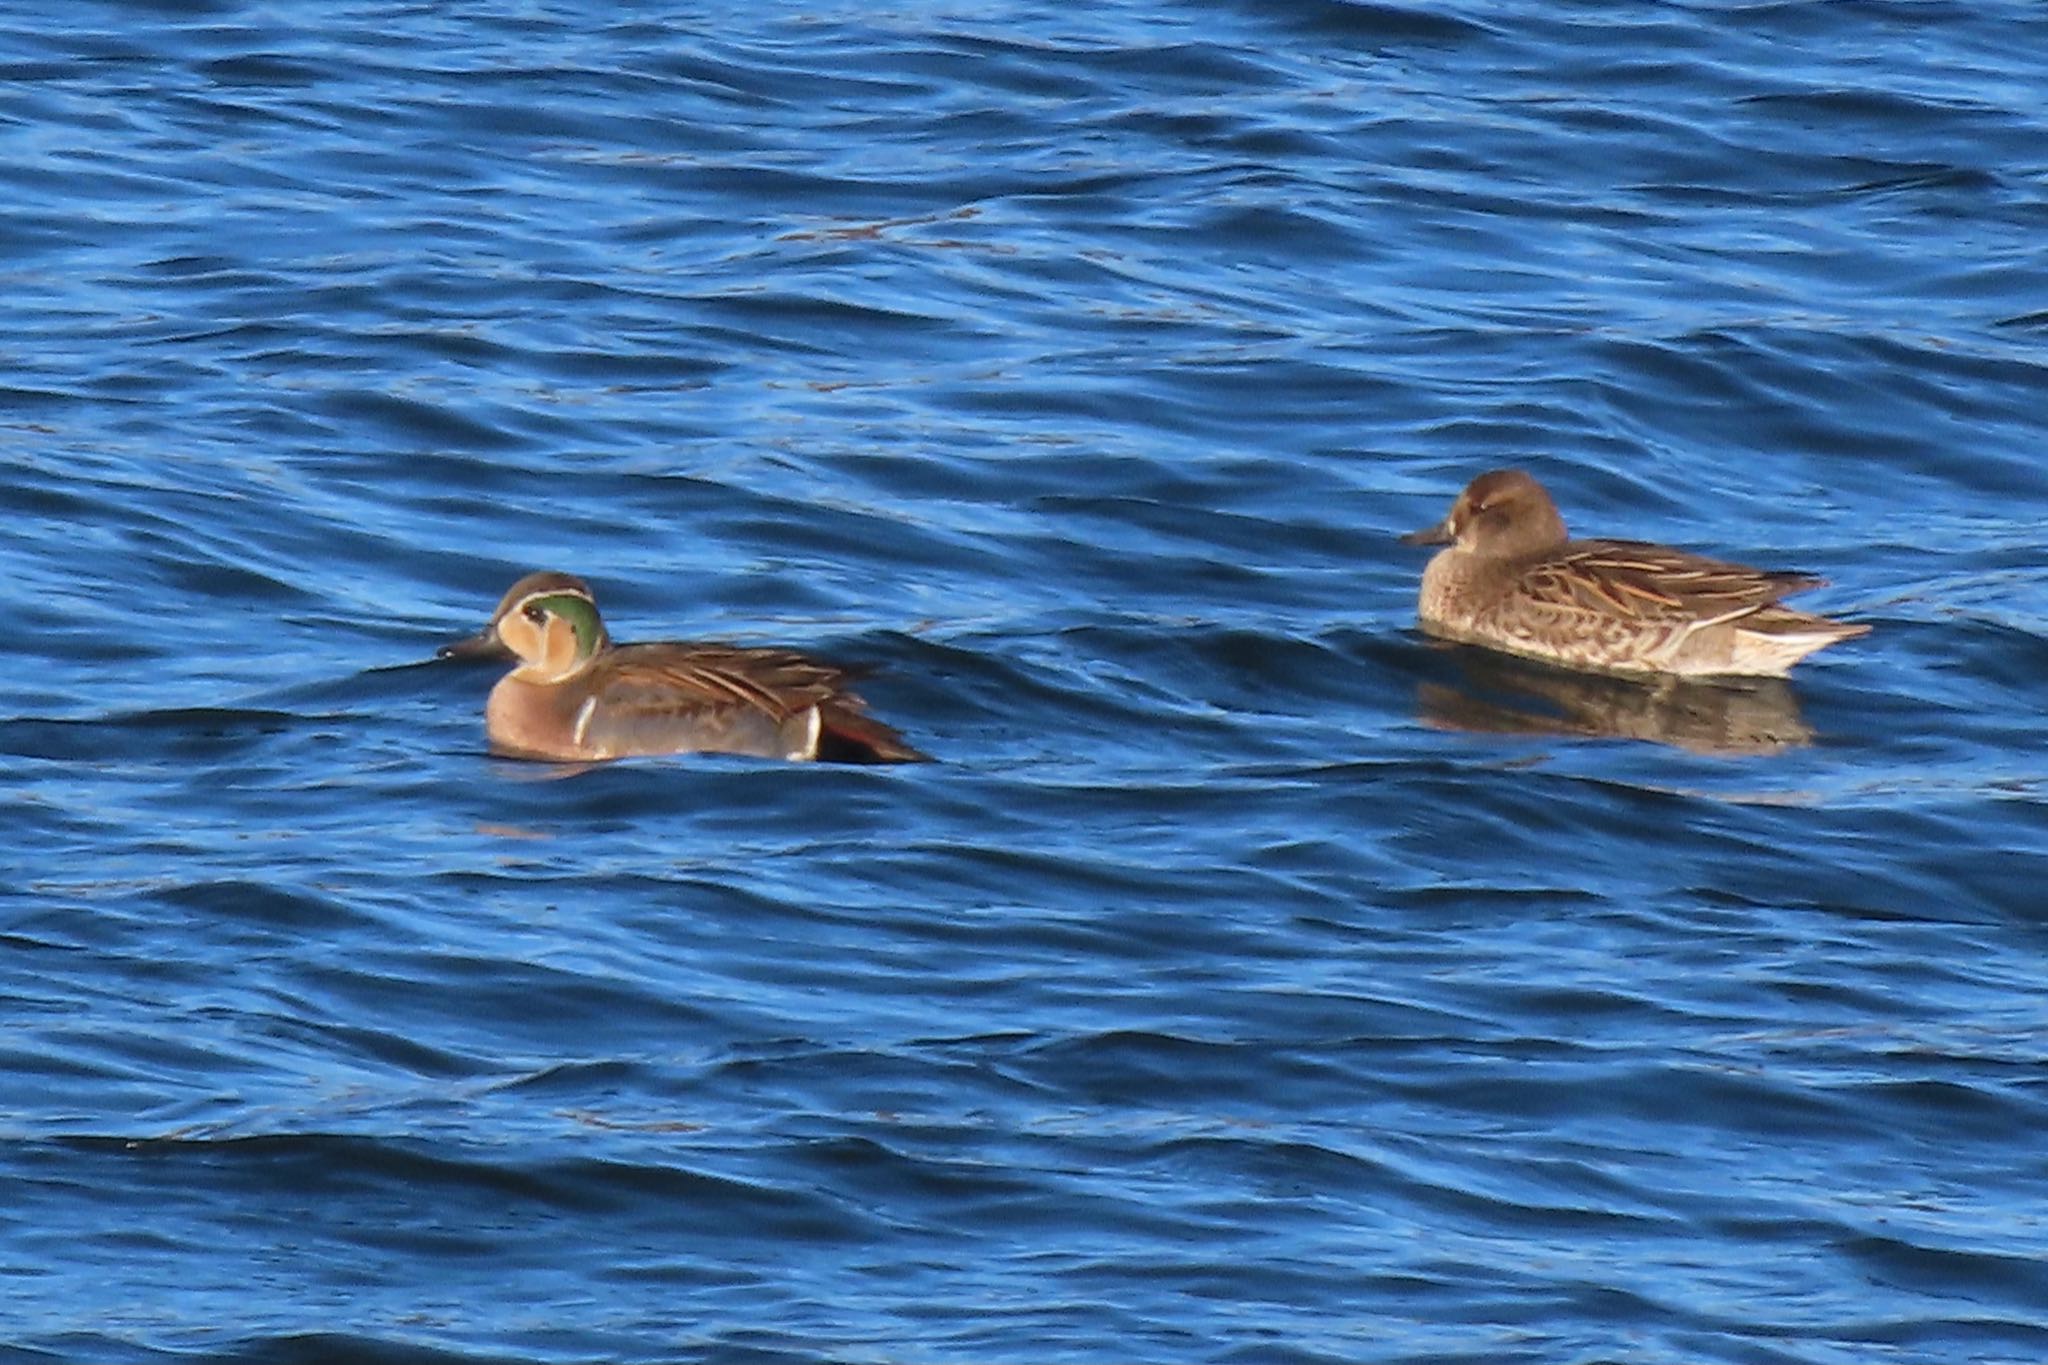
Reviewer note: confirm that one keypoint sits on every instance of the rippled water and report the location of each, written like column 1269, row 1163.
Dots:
column 1253, row 980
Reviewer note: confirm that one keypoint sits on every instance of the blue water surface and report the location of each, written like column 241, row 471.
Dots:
column 1252, row 980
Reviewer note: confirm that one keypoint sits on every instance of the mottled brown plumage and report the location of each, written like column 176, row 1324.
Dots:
column 575, row 696
column 1513, row 579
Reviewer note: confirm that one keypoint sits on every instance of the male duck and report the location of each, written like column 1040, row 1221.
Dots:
column 1513, row 580
column 575, row 696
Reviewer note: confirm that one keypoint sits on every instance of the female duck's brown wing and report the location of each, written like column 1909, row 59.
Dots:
column 665, row 698
column 1655, row 585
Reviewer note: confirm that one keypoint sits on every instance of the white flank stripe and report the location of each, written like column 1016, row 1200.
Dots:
column 814, row 725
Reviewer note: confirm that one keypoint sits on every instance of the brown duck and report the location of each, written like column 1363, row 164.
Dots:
column 1512, row 579
column 574, row 696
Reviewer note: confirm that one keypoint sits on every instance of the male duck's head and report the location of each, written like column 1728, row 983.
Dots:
column 548, row 621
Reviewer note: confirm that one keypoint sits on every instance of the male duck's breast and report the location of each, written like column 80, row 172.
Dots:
column 532, row 721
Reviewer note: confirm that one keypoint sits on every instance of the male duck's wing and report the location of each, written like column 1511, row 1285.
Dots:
column 688, row 677
column 738, row 699
column 660, row 698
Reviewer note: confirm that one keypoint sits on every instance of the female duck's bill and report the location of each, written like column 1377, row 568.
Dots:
column 574, row 696
column 1512, row 579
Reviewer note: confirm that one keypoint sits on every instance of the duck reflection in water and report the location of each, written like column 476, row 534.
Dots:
column 1499, row 694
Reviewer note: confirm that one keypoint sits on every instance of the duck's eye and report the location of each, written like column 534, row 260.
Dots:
column 534, row 612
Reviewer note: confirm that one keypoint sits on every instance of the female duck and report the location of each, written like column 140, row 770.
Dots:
column 1513, row 580
column 575, row 696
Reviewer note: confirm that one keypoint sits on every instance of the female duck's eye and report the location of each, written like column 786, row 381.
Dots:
column 534, row 612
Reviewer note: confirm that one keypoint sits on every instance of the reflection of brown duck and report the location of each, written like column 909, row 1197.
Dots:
column 1506, row 696
column 576, row 696
column 1513, row 580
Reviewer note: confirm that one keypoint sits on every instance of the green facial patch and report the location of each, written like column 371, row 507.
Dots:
column 581, row 614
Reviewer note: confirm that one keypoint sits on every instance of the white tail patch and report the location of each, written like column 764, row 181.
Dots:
column 1772, row 654
column 813, row 727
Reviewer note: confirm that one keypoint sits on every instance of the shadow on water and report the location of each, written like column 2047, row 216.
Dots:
column 1496, row 694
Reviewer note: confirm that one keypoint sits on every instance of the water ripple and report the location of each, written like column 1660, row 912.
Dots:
column 1252, row 979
